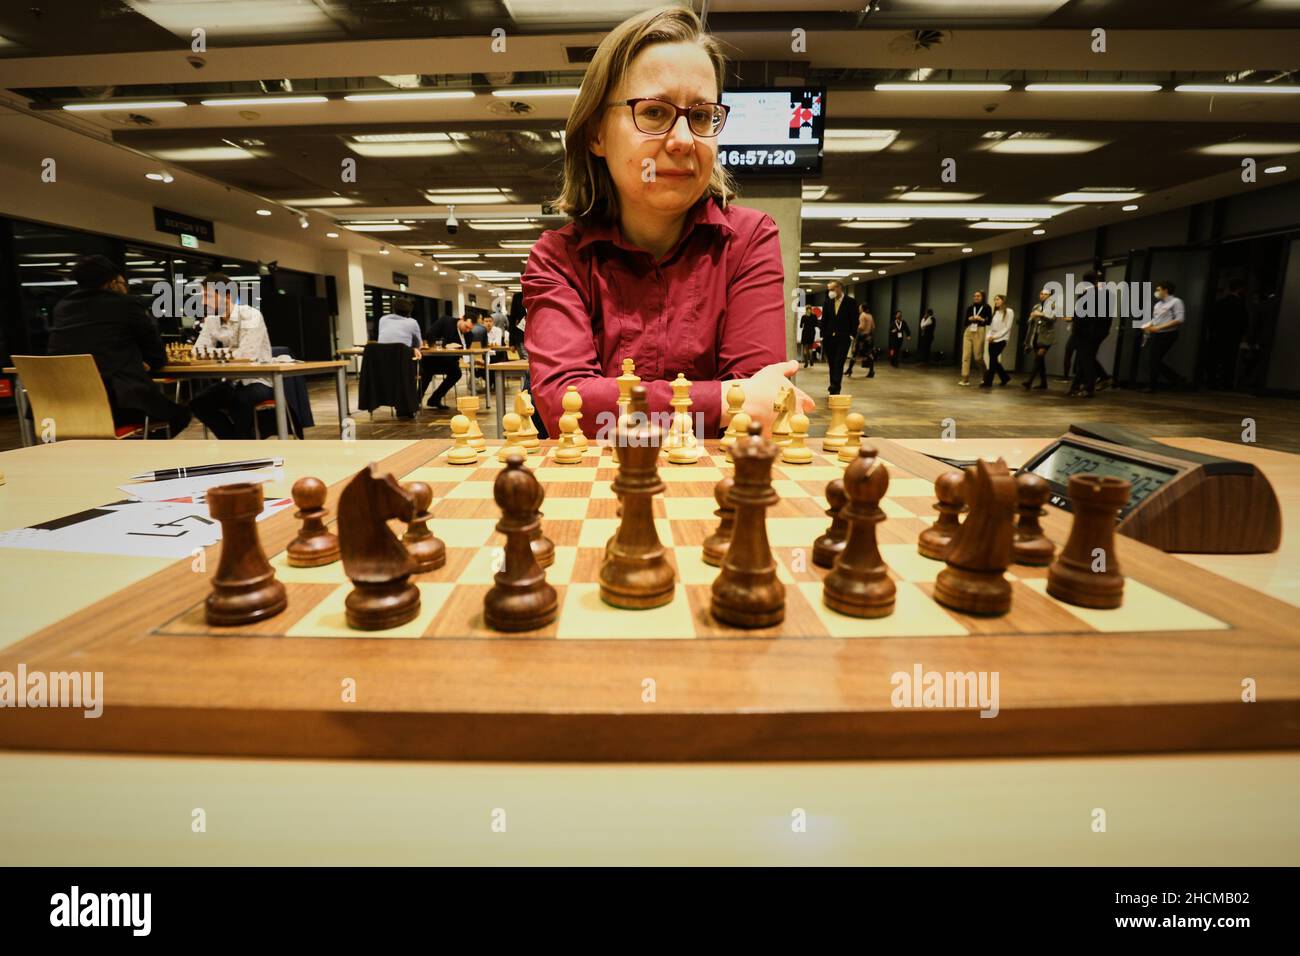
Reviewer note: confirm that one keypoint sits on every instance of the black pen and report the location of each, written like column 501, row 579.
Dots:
column 195, row 471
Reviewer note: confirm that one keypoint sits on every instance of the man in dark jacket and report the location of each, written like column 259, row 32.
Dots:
column 839, row 326
column 453, row 333
column 99, row 318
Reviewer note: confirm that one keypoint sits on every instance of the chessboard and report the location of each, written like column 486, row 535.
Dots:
column 1164, row 671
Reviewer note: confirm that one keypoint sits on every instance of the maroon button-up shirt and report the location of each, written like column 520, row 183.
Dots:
column 713, row 309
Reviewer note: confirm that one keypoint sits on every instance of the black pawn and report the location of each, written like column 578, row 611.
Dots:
column 949, row 488
column 520, row 598
column 830, row 545
column 859, row 585
column 716, row 544
column 1030, row 545
column 427, row 551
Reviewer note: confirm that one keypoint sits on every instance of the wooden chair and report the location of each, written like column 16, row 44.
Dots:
column 67, row 389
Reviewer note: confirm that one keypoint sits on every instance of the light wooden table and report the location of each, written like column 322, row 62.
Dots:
column 502, row 371
column 277, row 372
column 70, row 809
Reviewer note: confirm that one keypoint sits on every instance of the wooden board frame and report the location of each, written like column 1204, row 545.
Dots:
column 776, row 699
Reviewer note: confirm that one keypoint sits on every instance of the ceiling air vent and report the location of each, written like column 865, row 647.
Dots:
column 509, row 108
column 915, row 41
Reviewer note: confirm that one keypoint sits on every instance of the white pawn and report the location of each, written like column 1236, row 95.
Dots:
column 572, row 402
column 682, row 446
column 735, row 406
column 568, row 451
column 854, row 425
column 462, row 452
column 797, row 452
column 740, row 422
column 467, row 405
column 510, row 424
column 527, row 430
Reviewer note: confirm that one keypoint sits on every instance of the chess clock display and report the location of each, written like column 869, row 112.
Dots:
column 1180, row 500
column 773, row 131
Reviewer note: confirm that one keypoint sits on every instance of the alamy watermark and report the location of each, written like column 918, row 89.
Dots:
column 75, row 909
column 607, row 427
column 945, row 689
column 1116, row 300
column 79, row 689
column 182, row 298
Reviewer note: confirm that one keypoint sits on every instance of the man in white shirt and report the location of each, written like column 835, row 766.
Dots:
column 227, row 408
column 998, row 335
column 1160, row 334
column 496, row 333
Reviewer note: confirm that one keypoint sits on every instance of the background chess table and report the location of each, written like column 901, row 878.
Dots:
column 1163, row 672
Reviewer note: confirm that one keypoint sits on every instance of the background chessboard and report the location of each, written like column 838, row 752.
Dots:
column 580, row 516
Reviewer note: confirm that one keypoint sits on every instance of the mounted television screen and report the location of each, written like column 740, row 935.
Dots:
column 773, row 131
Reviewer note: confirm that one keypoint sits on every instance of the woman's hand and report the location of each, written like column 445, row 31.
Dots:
column 761, row 392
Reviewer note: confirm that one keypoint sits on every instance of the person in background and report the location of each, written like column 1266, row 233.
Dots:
column 478, row 330
column 975, row 323
column 898, row 334
column 397, row 327
column 496, row 335
column 515, row 324
column 1228, row 325
column 1090, row 330
column 864, row 345
column 925, row 337
column 998, row 335
column 1039, row 336
column 453, row 333
column 839, row 326
column 101, row 319
column 227, row 408
column 1160, row 334
column 807, row 337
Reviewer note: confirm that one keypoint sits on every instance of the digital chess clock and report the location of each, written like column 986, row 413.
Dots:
column 1179, row 500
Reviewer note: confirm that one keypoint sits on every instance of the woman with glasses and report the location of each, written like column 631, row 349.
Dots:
column 658, row 265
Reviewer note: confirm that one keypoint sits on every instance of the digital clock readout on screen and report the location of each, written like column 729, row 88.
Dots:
column 1066, row 460
column 777, row 130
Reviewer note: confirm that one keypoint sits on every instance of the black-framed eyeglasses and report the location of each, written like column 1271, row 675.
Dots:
column 656, row 117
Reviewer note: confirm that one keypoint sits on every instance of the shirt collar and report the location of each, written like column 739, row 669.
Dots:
column 706, row 212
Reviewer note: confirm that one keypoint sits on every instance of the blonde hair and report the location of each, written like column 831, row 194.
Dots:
column 588, row 193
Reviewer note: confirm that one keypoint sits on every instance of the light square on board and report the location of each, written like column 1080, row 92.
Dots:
column 915, row 615
column 584, row 616
column 788, row 488
column 440, row 474
column 482, row 567
column 794, row 532
column 596, row 532
column 324, row 574
column 478, row 490
column 464, row 532
column 329, row 617
column 818, row 473
column 564, row 509
column 1144, row 609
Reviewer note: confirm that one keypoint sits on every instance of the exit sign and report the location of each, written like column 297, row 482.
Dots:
column 188, row 241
